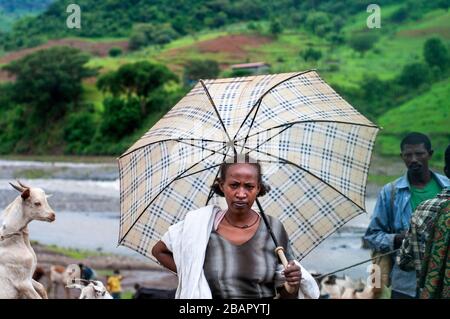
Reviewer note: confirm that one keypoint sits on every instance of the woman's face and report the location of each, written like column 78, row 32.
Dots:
column 240, row 187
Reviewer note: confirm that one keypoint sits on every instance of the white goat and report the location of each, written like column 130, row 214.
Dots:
column 91, row 289
column 60, row 276
column 346, row 288
column 17, row 258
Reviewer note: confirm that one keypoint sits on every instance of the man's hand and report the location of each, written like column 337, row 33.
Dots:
column 398, row 239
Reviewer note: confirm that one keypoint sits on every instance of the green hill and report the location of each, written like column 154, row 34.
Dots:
column 13, row 10
column 428, row 112
column 116, row 18
column 310, row 35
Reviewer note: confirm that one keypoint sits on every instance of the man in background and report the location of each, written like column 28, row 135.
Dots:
column 395, row 204
column 428, row 240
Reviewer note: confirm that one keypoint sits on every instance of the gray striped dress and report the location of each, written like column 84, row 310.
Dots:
column 246, row 270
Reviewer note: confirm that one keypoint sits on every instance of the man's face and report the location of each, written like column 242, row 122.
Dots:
column 416, row 158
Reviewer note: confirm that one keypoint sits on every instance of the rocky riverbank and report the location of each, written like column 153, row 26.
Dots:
column 82, row 187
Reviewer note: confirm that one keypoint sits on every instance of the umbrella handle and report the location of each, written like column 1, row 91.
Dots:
column 279, row 251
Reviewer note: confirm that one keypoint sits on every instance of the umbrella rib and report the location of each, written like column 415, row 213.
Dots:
column 309, row 121
column 251, row 125
column 211, row 191
column 143, row 211
column 169, row 140
column 202, row 170
column 257, row 146
column 282, row 160
column 258, row 102
column 217, row 113
column 201, row 147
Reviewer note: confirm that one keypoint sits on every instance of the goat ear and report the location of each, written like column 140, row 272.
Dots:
column 49, row 195
column 26, row 193
column 17, row 188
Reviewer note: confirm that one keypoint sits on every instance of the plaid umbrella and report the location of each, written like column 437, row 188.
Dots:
column 315, row 150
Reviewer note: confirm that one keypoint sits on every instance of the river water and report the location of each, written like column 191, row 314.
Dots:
column 88, row 215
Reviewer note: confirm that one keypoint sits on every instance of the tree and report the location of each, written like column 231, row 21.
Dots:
column 120, row 117
column 435, row 53
column 400, row 14
column 48, row 81
column 275, row 28
column 200, row 69
column 362, row 42
column 138, row 80
column 413, row 75
column 216, row 20
column 113, row 52
column 311, row 54
column 376, row 95
column 148, row 34
column 316, row 19
column 79, row 128
column 335, row 39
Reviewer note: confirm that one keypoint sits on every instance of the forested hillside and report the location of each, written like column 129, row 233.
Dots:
column 12, row 10
column 74, row 101
column 116, row 18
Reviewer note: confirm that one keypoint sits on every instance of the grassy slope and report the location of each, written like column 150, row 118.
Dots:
column 392, row 51
column 428, row 113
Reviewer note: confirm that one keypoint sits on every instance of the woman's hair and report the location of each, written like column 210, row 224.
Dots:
column 237, row 159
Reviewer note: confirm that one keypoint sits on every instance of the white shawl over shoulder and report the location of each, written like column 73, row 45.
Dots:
column 188, row 240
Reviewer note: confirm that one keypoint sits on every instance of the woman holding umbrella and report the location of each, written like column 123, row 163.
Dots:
column 235, row 258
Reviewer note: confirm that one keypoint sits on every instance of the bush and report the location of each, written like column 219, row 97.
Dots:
column 362, row 42
column 436, row 54
column 119, row 118
column 311, row 54
column 376, row 95
column 239, row 73
column 400, row 15
column 148, row 34
column 413, row 75
column 335, row 38
column 12, row 128
column 79, row 128
column 200, row 69
column 316, row 19
column 113, row 52
column 275, row 28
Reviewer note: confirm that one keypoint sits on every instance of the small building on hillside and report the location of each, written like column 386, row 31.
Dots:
column 254, row 68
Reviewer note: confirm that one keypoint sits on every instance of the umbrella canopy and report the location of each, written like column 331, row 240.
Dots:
column 314, row 147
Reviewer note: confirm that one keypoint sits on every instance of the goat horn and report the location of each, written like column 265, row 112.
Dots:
column 22, row 184
column 17, row 187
